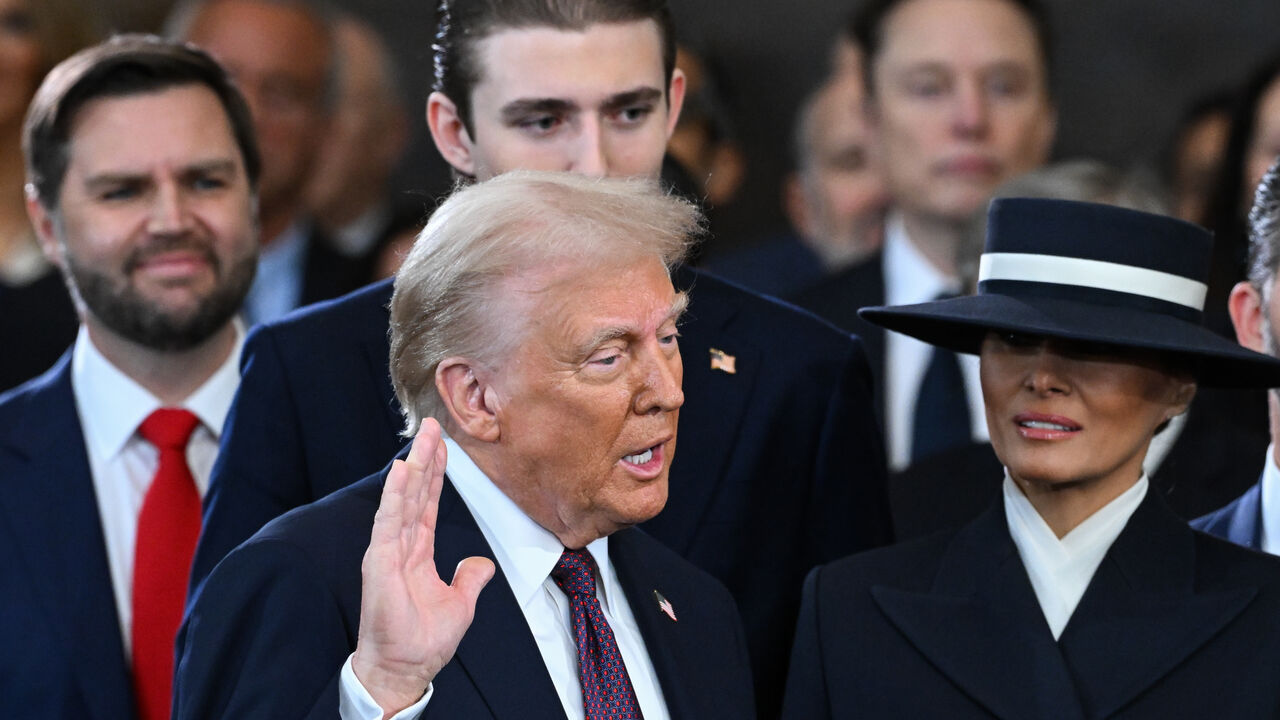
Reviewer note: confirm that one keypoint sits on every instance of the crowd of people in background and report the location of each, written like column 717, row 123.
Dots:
column 217, row 309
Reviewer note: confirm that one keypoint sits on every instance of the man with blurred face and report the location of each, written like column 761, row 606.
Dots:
column 281, row 54
column 141, row 171
column 777, row 437
column 349, row 193
column 557, row 379
column 834, row 198
column 958, row 102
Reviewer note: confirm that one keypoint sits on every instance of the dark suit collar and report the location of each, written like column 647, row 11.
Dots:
column 49, row 501
column 1244, row 523
column 377, row 354
column 498, row 646
column 715, row 401
column 981, row 626
column 1140, row 617
column 673, row 648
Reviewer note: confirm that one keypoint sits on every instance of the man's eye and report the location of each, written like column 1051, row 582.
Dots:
column 635, row 114
column 542, row 124
column 208, row 182
column 124, row 192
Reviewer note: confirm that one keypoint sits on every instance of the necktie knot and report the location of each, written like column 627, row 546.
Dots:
column 169, row 428
column 575, row 573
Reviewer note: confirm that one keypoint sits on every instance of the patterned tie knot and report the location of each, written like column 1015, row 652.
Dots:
column 575, row 573
column 169, row 428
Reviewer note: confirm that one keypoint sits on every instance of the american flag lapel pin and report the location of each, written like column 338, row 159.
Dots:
column 723, row 361
column 664, row 605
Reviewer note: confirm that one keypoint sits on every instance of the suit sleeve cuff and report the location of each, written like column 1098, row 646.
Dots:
column 355, row 702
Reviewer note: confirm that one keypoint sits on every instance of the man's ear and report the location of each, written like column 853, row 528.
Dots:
column 472, row 403
column 675, row 99
column 1245, row 307
column 43, row 224
column 450, row 134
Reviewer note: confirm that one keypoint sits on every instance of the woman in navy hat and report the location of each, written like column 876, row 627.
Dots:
column 1078, row 594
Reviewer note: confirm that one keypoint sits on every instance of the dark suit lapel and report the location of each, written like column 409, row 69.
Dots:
column 377, row 351
column 673, row 650
column 873, row 335
column 981, row 626
column 1141, row 616
column 49, row 501
column 498, row 653
column 1245, row 525
column 715, row 402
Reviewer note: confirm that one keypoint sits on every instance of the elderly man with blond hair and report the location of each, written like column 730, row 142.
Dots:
column 534, row 322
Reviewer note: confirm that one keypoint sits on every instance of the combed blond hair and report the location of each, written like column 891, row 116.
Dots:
column 448, row 293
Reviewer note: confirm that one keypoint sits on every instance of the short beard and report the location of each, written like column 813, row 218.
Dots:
column 125, row 312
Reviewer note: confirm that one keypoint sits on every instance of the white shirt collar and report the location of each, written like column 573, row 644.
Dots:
column 909, row 277
column 112, row 405
column 1270, row 504
column 526, row 551
column 1060, row 569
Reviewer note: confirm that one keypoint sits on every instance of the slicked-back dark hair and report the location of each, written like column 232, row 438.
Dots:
column 1264, row 233
column 122, row 66
column 866, row 29
column 461, row 24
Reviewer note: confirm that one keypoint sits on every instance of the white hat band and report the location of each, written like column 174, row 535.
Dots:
column 1098, row 274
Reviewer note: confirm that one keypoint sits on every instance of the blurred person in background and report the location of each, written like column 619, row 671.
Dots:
column 282, row 55
column 1252, row 146
column 834, row 198
column 959, row 100
column 1191, row 161
column 350, row 195
column 37, row 319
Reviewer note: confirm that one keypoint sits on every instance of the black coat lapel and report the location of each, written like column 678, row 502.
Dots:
column 1141, row 616
column 377, row 350
column 715, row 402
column 667, row 642
column 981, row 626
column 498, row 653
column 49, row 501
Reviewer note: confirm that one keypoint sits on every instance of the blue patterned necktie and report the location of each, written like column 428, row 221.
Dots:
column 606, row 689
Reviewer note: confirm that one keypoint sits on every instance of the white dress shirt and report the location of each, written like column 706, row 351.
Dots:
column 1060, row 568
column 111, row 405
column 910, row 278
column 1270, row 504
column 527, row 553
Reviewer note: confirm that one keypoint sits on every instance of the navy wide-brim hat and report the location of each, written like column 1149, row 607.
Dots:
column 1093, row 273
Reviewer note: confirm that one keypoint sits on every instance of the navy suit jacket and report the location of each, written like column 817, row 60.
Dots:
column 61, row 652
column 272, row 626
column 837, row 299
column 780, row 465
column 1239, row 521
column 1174, row 623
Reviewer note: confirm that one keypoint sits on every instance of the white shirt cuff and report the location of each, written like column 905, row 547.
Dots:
column 355, row 702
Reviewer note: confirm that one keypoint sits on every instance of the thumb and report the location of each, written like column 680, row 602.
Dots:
column 472, row 575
